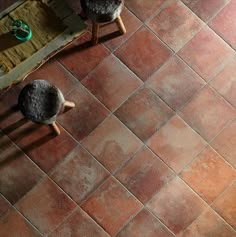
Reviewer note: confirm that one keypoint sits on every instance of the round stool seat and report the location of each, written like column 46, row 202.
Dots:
column 40, row 102
column 102, row 10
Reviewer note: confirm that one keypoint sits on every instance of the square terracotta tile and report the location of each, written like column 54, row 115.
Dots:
column 175, row 24
column 176, row 205
column 144, row 175
column 206, row 9
column 55, row 73
column 204, row 113
column 207, row 225
column 4, row 206
column 131, row 22
column 144, row 113
column 18, row 173
column 225, row 143
column 46, row 206
column 87, row 114
column 225, row 83
column 111, row 206
column 209, row 175
column 223, row 25
column 112, row 143
column 15, row 225
column 77, row 225
column 41, row 145
column 79, row 175
column 176, row 143
column 145, row 224
column 80, row 57
column 207, row 53
column 111, row 82
column 142, row 58
column 175, row 82
column 144, row 9
column 225, row 205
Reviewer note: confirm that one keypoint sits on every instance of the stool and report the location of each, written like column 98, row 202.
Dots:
column 103, row 12
column 41, row 102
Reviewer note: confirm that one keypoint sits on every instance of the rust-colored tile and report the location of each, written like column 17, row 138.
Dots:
column 111, row 206
column 4, row 206
column 177, row 205
column 45, row 206
column 79, row 175
column 204, row 113
column 87, row 114
column 111, row 82
column 207, row 53
column 223, row 25
column 18, row 173
column 209, row 224
column 176, row 143
column 175, row 83
column 225, row 143
column 142, row 58
column 80, row 57
column 144, row 175
column 41, row 145
column 175, row 24
column 53, row 72
column 225, row 205
column 131, row 22
column 77, row 225
column 143, row 9
column 15, row 225
column 144, row 113
column 209, row 175
column 112, row 143
column 206, row 9
column 145, row 224
column 225, row 83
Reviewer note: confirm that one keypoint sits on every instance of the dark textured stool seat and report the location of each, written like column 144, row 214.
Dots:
column 41, row 102
column 103, row 11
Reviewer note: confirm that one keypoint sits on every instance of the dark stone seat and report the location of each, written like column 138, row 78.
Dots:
column 41, row 102
column 103, row 11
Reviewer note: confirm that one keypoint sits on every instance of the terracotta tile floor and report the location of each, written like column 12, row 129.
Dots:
column 150, row 148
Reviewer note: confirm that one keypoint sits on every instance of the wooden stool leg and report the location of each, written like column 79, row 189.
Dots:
column 55, row 128
column 120, row 25
column 95, row 33
column 69, row 104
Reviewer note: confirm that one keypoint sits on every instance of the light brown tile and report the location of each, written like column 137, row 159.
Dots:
column 112, row 143
column 176, row 143
column 77, row 225
column 46, row 206
column 144, row 113
column 145, row 224
column 176, row 205
column 112, row 82
column 209, row 224
column 142, row 58
column 209, row 175
column 225, row 205
column 175, row 83
column 204, row 113
column 79, row 175
column 175, row 24
column 225, row 143
column 207, row 53
column 111, row 206
column 15, row 225
column 206, row 9
column 144, row 175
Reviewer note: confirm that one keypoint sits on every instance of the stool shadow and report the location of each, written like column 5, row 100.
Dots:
column 7, row 41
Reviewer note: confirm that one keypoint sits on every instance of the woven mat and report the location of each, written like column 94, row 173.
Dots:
column 45, row 26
